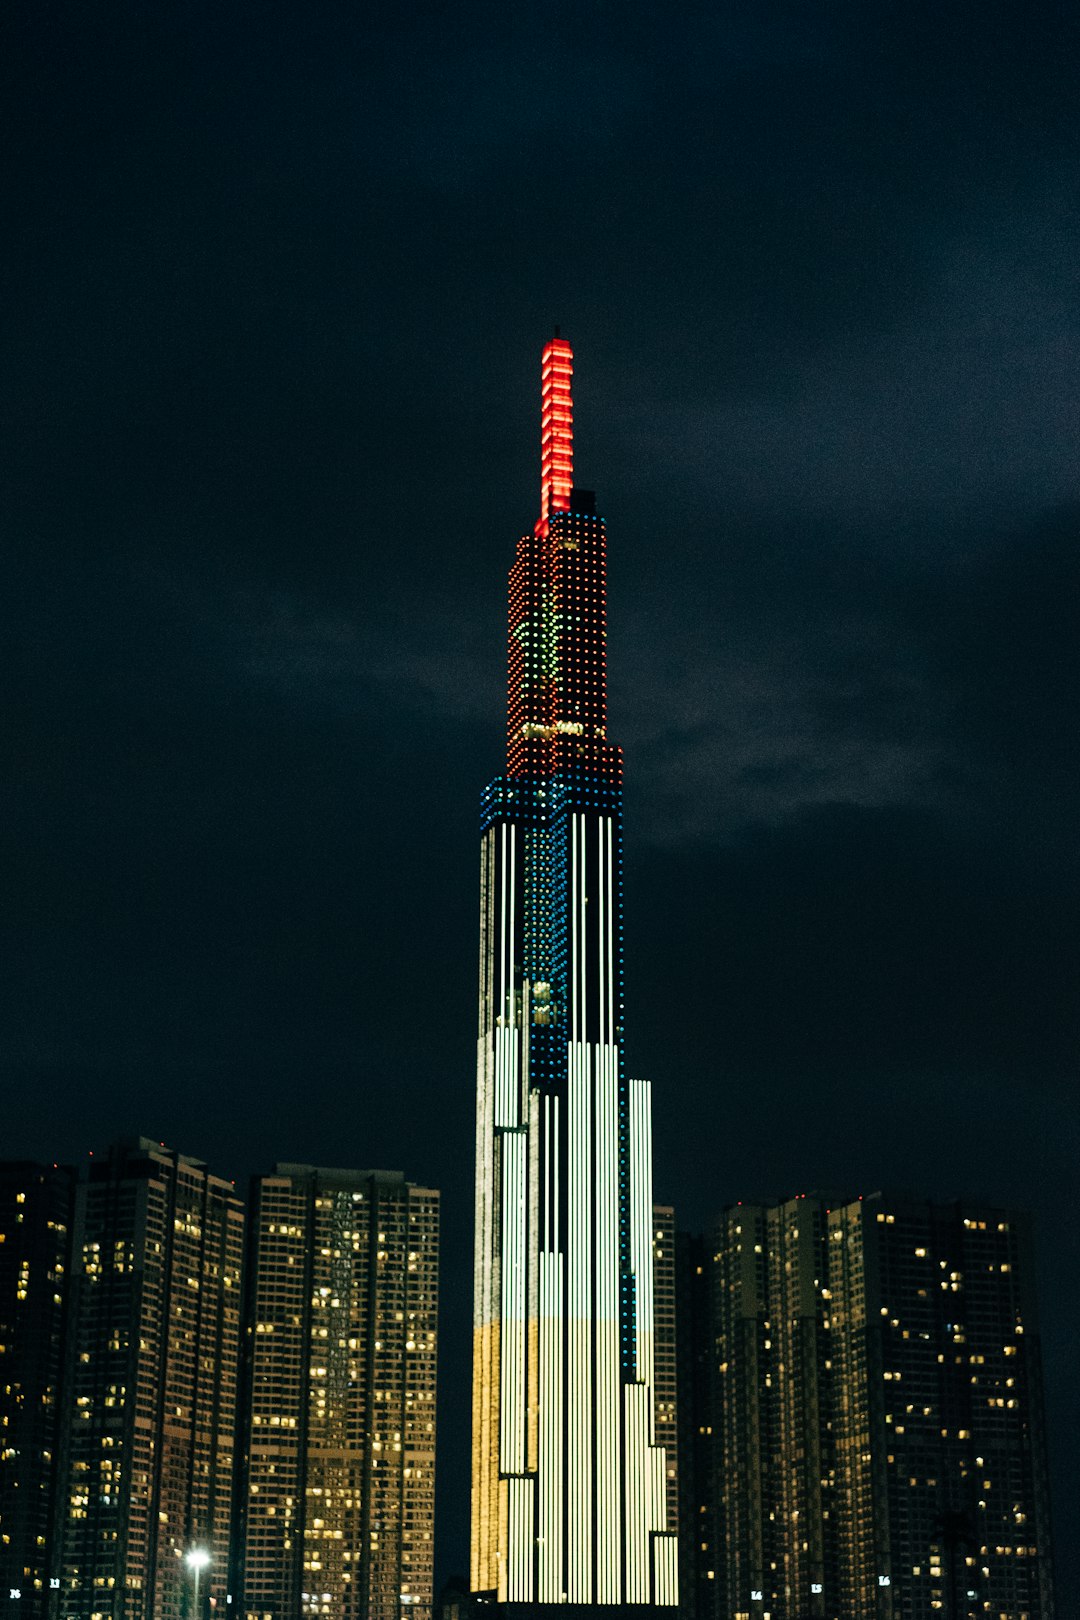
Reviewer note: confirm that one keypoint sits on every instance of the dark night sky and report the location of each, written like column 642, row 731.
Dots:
column 275, row 285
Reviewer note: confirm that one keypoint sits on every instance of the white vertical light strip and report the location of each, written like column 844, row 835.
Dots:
column 512, row 1379
column 552, row 1459
column 637, row 1573
column 608, row 1377
column 505, row 1065
column 644, row 1494
column 610, row 931
column 508, row 1006
column 601, row 936
column 575, row 947
column 501, row 1008
column 649, row 1494
column 583, row 935
column 556, row 1207
column 560, row 1114
column 666, row 1565
column 519, row 1582
column 508, row 1038
column 579, row 1244
column 657, row 1482
column 535, row 1191
column 525, row 1023
column 641, row 1227
column 552, row 1452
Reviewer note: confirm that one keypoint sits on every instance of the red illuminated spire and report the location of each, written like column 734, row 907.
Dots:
column 557, row 714
column 556, row 430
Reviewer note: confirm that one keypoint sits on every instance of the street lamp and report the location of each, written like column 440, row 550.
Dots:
column 197, row 1560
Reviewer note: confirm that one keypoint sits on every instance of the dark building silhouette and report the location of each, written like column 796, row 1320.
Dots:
column 941, row 1468
column 870, row 1416
column 36, row 1208
column 455, row 1601
column 698, row 1589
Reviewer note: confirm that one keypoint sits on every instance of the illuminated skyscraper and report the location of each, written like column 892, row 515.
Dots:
column 569, row 1483
column 339, row 1406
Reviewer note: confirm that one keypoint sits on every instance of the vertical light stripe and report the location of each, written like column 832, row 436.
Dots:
column 519, row 1583
column 579, row 1244
column 511, row 986
column 610, row 931
column 552, row 1452
column 512, row 1383
column 532, row 1346
column 641, row 1226
column 601, row 937
column 637, row 1576
column 503, row 885
column 645, row 1494
column 583, row 935
column 575, row 948
column 608, row 1378
column 666, row 1566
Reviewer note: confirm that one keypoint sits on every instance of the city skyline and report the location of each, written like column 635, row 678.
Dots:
column 273, row 289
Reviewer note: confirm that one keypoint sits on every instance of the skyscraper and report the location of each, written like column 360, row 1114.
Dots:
column 339, row 1405
column 941, row 1449
column 150, row 1409
column 771, row 1515
column 875, row 1415
column 568, row 1484
column 35, row 1247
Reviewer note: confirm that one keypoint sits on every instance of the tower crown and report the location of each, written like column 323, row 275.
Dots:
column 557, row 713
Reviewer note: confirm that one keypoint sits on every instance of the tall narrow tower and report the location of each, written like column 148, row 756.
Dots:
column 568, row 1482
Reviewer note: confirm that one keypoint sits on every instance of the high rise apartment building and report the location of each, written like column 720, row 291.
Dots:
column 36, row 1204
column 150, row 1407
column 339, row 1409
column 873, row 1410
column 763, row 1433
column 938, row 1414
column 569, row 1479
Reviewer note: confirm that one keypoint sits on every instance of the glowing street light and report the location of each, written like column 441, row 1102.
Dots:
column 197, row 1560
